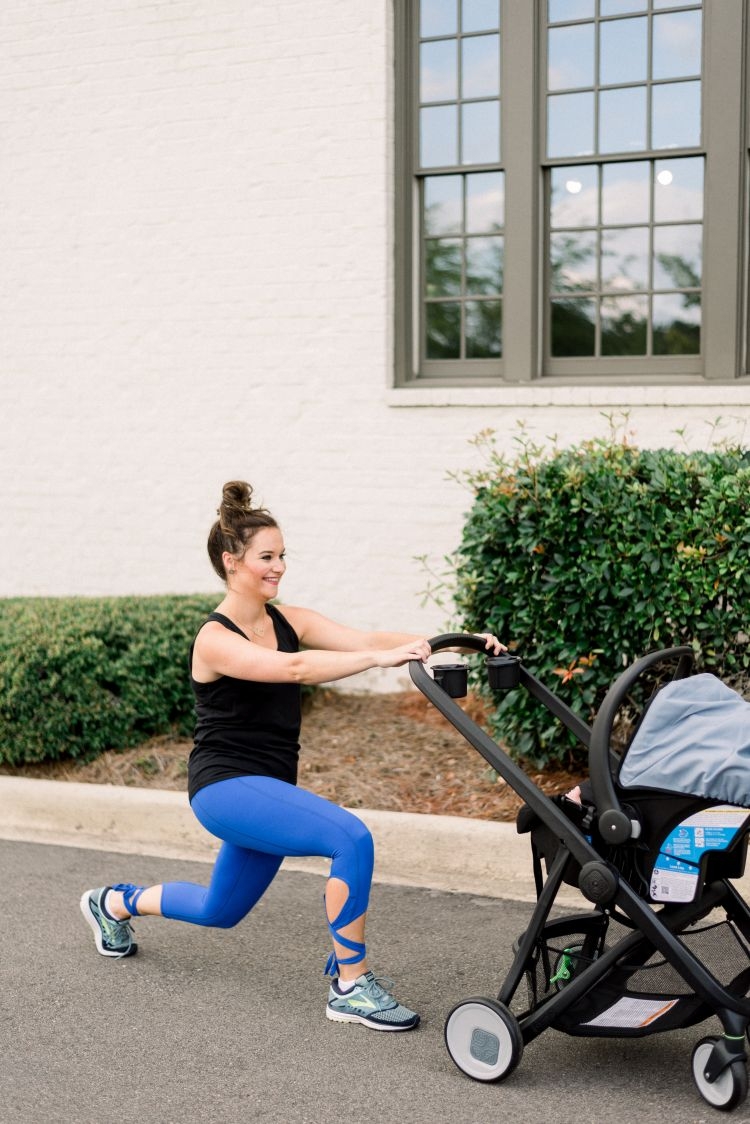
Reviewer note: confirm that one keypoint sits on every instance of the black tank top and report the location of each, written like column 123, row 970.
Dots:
column 245, row 728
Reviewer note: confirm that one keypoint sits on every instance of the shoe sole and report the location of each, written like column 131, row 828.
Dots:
column 94, row 926
column 342, row 1017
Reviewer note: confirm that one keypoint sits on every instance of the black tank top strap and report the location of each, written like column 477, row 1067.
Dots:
column 226, row 622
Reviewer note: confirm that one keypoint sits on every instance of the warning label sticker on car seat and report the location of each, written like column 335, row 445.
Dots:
column 676, row 873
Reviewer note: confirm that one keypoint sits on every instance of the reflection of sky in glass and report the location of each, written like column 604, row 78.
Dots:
column 617, row 7
column 678, row 254
column 570, row 124
column 625, row 192
column 485, row 202
column 438, row 17
column 480, row 68
column 570, row 10
column 677, row 45
column 480, row 15
column 484, row 266
column 625, row 258
column 570, row 57
column 682, row 196
column 438, row 135
column 573, row 261
column 480, row 132
column 623, row 51
column 575, row 199
column 442, row 205
column 622, row 120
column 438, row 70
column 676, row 111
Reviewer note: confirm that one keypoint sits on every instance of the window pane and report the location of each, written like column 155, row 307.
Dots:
column 443, row 322
column 484, row 266
column 623, row 51
column 485, row 202
column 625, row 193
column 442, row 205
column 570, row 125
column 678, row 189
column 677, row 324
column 678, row 253
column 438, row 136
column 483, row 329
column 617, row 7
column 480, row 70
column 438, row 71
column 677, row 45
column 443, row 267
column 625, row 258
column 573, row 327
column 622, row 120
column 438, row 17
column 570, row 10
column 480, row 15
column 624, row 322
column 575, row 198
column 676, row 115
column 570, row 57
column 573, row 261
column 480, row 132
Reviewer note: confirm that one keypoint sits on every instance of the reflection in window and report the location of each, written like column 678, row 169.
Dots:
column 463, row 276
column 626, row 239
column 632, row 70
column 461, row 185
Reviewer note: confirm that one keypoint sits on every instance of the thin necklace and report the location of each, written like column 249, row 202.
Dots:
column 259, row 631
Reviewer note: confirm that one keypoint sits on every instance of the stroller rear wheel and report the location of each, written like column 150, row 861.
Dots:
column 484, row 1039
column 730, row 1087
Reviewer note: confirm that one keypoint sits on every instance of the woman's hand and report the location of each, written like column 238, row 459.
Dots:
column 417, row 649
column 492, row 644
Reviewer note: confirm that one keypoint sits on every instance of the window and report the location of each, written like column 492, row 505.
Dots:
column 567, row 171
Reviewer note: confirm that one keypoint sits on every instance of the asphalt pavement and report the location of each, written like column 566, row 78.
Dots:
column 228, row 1025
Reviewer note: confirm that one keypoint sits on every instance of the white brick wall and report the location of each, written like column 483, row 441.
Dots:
column 196, row 285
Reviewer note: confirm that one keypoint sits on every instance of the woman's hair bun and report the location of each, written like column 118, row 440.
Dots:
column 236, row 500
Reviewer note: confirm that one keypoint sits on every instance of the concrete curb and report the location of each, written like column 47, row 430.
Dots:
column 436, row 852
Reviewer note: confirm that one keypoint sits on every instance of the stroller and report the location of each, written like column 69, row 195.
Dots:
column 652, row 846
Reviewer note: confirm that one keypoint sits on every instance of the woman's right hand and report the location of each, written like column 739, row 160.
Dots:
column 417, row 649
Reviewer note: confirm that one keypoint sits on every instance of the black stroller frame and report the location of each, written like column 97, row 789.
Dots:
column 573, row 975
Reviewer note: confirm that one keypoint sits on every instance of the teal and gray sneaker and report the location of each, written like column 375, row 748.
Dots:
column 371, row 1004
column 113, row 938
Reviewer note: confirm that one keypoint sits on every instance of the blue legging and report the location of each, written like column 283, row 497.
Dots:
column 261, row 820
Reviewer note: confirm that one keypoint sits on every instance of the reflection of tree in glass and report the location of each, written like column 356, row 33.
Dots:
column 683, row 276
column 573, row 329
column 443, row 330
column 570, row 256
column 443, row 267
column 483, row 329
column 624, row 335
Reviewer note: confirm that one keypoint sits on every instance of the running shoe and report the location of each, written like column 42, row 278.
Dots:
column 113, row 938
column 369, row 1003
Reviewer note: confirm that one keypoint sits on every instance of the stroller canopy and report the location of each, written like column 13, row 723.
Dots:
column 694, row 739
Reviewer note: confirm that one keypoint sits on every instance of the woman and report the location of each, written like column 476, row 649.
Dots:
column 247, row 665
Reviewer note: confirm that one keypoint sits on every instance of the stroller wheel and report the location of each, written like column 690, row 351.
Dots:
column 484, row 1039
column 730, row 1087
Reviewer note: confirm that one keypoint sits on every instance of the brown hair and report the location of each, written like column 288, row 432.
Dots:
column 238, row 522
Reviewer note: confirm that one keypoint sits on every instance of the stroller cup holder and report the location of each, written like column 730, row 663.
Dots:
column 667, row 944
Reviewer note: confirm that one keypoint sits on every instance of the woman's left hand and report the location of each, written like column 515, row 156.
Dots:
column 492, row 644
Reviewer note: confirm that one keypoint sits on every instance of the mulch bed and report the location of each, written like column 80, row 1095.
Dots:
column 392, row 752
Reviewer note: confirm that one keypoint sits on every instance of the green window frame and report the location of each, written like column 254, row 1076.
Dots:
column 660, row 297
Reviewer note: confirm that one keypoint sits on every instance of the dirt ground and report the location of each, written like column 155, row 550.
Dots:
column 391, row 752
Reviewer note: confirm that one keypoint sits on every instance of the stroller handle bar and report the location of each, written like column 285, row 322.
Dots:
column 614, row 824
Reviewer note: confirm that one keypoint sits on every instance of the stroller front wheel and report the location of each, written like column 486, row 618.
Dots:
column 730, row 1087
column 483, row 1039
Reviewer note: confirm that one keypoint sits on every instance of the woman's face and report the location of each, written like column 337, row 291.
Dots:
column 262, row 566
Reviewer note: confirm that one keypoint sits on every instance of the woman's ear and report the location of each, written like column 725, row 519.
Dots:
column 229, row 561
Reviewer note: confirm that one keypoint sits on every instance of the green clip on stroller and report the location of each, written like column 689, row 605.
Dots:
column 653, row 845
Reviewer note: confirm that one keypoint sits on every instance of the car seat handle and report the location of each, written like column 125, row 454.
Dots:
column 613, row 822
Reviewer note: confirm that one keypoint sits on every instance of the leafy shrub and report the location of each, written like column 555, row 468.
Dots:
column 82, row 675
column 584, row 559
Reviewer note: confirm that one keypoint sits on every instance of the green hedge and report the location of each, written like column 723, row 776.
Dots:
column 82, row 675
column 586, row 558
